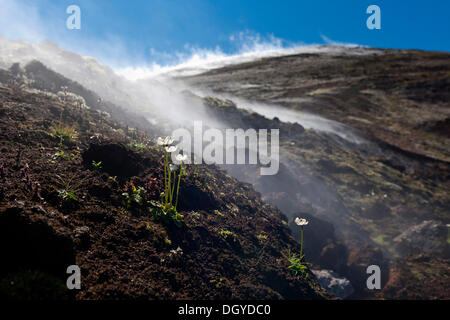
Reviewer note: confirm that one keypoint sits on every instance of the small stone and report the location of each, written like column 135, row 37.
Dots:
column 20, row 204
column 82, row 236
column 333, row 283
column 80, row 231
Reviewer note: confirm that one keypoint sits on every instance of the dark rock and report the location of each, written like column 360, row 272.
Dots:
column 359, row 260
column 117, row 160
column 16, row 69
column 334, row 255
column 429, row 237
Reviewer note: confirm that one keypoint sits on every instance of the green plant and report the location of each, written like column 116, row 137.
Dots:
column 133, row 195
column 64, row 132
column 217, row 212
column 229, row 235
column 60, row 155
column 218, row 283
column 96, row 165
column 68, row 190
column 67, row 198
column 262, row 237
column 166, row 214
column 296, row 264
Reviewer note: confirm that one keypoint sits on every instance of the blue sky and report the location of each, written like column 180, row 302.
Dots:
column 153, row 30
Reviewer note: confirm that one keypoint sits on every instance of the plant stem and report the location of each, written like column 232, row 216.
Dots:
column 301, row 244
column 165, row 177
column 170, row 188
column 173, row 188
column 178, row 186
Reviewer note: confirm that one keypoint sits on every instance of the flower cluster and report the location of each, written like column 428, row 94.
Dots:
column 166, row 211
column 170, row 169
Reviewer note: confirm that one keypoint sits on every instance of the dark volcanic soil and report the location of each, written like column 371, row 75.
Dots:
column 224, row 249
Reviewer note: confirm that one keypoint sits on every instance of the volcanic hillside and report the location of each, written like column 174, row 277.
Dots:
column 79, row 187
column 378, row 172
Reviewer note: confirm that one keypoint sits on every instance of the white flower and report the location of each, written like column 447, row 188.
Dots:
column 164, row 141
column 181, row 157
column 168, row 140
column 301, row 222
column 173, row 167
column 171, row 149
